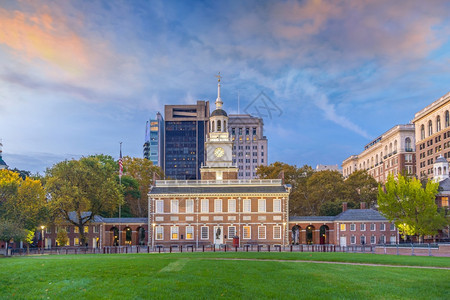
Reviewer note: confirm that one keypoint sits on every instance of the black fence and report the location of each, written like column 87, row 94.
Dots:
column 190, row 248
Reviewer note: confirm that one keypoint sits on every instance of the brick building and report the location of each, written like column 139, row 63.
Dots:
column 432, row 131
column 351, row 227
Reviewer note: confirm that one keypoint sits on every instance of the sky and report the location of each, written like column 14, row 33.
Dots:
column 79, row 77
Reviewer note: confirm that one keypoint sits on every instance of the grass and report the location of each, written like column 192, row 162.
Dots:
column 198, row 275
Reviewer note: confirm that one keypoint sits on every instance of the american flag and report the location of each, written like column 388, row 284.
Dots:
column 120, row 162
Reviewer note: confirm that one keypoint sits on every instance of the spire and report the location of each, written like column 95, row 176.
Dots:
column 219, row 102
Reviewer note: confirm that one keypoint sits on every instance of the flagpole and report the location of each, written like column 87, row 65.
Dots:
column 120, row 204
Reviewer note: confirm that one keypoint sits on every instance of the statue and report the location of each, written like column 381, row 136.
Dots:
column 295, row 234
column 218, row 231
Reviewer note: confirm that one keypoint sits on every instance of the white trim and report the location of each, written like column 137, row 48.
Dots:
column 159, row 209
column 204, row 205
column 230, row 236
column 173, row 231
column 174, row 206
column 218, row 205
column 262, row 205
column 191, row 229
column 249, row 237
column 246, row 205
column 207, row 233
column 190, row 205
column 277, row 207
column 277, row 230
column 157, row 228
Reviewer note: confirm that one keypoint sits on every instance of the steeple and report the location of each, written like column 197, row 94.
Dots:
column 219, row 102
column 3, row 165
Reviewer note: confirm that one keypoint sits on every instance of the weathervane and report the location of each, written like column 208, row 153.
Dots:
column 218, row 77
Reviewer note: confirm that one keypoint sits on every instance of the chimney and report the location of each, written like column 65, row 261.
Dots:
column 281, row 176
column 363, row 205
column 344, row 206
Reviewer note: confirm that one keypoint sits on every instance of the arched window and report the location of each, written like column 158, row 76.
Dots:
column 408, row 144
column 422, row 132
column 212, row 127
column 430, row 128
column 386, row 150
column 219, row 125
column 438, row 123
column 376, row 159
column 395, row 145
column 371, row 165
column 447, row 119
column 439, row 172
column 390, row 148
column 364, row 165
column 225, row 126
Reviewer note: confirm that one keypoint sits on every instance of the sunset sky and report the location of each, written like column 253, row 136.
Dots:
column 78, row 77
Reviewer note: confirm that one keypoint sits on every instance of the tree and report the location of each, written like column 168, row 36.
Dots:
column 361, row 187
column 10, row 231
column 143, row 171
column 324, row 187
column 61, row 237
column 411, row 206
column 22, row 200
column 81, row 189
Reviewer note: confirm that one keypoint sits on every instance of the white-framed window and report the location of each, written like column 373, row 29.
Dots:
column 392, row 227
column 352, row 227
column 204, row 232
column 174, row 231
column 189, row 206
column 76, row 229
column 159, row 206
column 277, row 205
column 247, row 205
column 189, row 232
column 261, row 205
column 217, row 205
column 382, row 227
column 383, row 239
column 76, row 242
column 247, row 232
column 362, row 226
column 174, row 206
column 49, row 230
column 159, row 233
column 231, row 232
column 362, row 240
column 277, row 232
column 86, row 229
column 262, row 232
column 205, row 205
column 353, row 239
column 373, row 239
column 96, row 228
column 342, row 227
column 373, row 227
column 232, row 205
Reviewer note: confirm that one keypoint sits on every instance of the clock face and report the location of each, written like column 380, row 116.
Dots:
column 219, row 152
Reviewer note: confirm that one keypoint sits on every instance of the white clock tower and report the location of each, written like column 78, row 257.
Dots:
column 219, row 160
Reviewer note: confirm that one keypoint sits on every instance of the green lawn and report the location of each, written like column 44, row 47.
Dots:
column 199, row 275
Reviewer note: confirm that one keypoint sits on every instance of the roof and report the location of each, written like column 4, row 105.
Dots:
column 444, row 185
column 219, row 112
column 441, row 159
column 2, row 162
column 261, row 189
column 360, row 215
column 73, row 216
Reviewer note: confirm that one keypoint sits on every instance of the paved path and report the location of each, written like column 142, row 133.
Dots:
column 327, row 262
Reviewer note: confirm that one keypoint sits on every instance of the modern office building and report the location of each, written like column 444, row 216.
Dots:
column 185, row 128
column 391, row 153
column 432, row 135
column 3, row 165
column 154, row 140
column 249, row 144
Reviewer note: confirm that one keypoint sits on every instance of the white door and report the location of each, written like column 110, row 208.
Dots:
column 392, row 240
column 94, row 242
column 218, row 235
column 48, row 243
column 343, row 241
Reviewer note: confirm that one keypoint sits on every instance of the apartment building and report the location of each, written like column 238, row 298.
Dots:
column 432, row 135
column 391, row 153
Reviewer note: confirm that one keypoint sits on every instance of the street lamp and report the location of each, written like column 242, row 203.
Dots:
column 42, row 237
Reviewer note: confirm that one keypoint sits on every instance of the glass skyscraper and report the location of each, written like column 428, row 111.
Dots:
column 154, row 140
column 185, row 130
